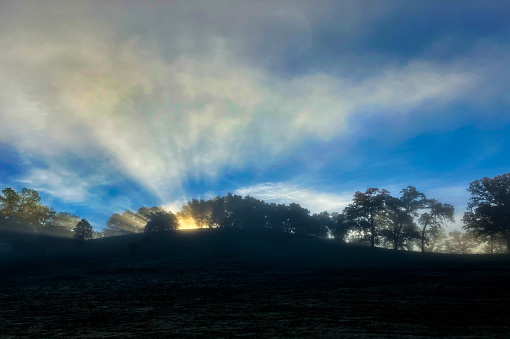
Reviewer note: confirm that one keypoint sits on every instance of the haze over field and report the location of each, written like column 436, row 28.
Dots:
column 111, row 106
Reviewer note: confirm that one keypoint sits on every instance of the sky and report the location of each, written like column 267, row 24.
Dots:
column 110, row 106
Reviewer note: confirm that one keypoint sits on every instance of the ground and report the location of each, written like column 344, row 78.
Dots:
column 218, row 287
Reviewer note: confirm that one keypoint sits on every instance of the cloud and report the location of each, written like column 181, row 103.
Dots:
column 164, row 114
column 308, row 197
column 60, row 184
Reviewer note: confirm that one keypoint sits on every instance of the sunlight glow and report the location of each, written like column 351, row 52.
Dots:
column 187, row 224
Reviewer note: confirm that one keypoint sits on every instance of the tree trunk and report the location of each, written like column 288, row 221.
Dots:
column 423, row 239
column 507, row 239
column 372, row 231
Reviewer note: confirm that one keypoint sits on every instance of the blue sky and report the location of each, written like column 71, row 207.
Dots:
column 112, row 106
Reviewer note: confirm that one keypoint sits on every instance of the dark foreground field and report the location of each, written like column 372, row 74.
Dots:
column 215, row 284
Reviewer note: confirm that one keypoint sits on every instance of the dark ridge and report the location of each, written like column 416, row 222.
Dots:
column 228, row 283
column 218, row 244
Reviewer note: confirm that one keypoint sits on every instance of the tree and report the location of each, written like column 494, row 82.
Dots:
column 197, row 211
column 321, row 224
column 129, row 222
column 276, row 217
column 83, row 231
column 218, row 212
column 145, row 213
column 59, row 224
column 363, row 211
column 298, row 219
column 23, row 209
column 494, row 245
column 488, row 213
column 433, row 220
column 340, row 226
column 437, row 243
column 462, row 243
column 9, row 201
column 161, row 222
column 125, row 223
column 399, row 229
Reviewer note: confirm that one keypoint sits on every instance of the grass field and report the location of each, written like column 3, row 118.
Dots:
column 223, row 284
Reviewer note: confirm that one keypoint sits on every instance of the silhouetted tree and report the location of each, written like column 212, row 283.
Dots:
column 145, row 213
column 489, row 208
column 234, row 210
column 321, row 224
column 340, row 227
column 198, row 211
column 276, row 217
column 161, row 222
column 83, row 231
column 125, row 223
column 23, row 209
column 129, row 222
column 433, row 220
column 363, row 212
column 298, row 220
column 462, row 243
column 437, row 243
column 494, row 245
column 218, row 212
column 400, row 230
column 59, row 224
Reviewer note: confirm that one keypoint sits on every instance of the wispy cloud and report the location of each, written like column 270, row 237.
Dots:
column 309, row 197
column 60, row 183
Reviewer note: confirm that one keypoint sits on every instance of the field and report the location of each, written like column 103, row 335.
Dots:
column 215, row 284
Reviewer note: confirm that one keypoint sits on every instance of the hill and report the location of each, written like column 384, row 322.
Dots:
column 220, row 283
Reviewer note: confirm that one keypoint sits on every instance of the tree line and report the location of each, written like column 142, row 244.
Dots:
column 408, row 221
column 23, row 211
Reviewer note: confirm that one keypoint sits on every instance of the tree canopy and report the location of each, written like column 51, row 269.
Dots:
column 83, row 231
column 488, row 213
column 24, row 211
column 161, row 221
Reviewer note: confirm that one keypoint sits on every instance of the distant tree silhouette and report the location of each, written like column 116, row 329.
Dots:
column 462, row 243
column 218, row 212
column 233, row 211
column 433, row 219
column 364, row 211
column 83, row 231
column 23, row 210
column 298, row 220
column 276, row 217
column 489, row 208
column 340, row 227
column 146, row 213
column 59, row 224
column 198, row 211
column 399, row 229
column 321, row 225
column 494, row 245
column 161, row 221
column 253, row 213
column 125, row 223
column 129, row 222
column 437, row 243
